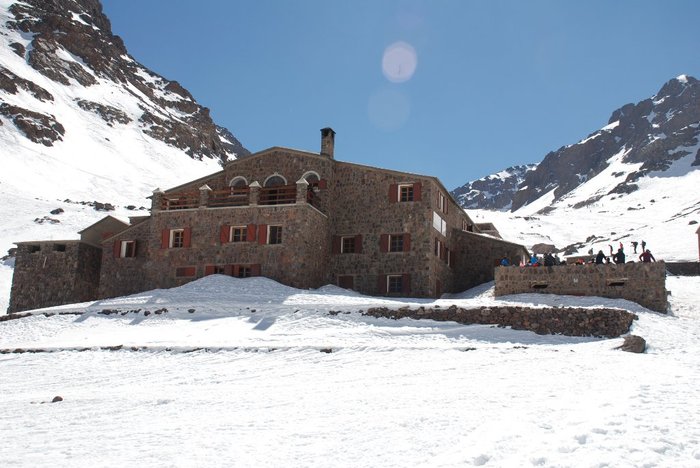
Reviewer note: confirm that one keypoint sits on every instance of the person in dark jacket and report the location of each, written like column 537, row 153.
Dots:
column 647, row 257
column 600, row 258
column 549, row 260
column 619, row 256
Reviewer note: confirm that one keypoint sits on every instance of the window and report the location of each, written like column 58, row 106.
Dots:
column 244, row 271
column 274, row 235
column 127, row 248
column 275, row 180
column 396, row 243
column 442, row 202
column 346, row 281
column 406, row 193
column 438, row 247
column 238, row 182
column 347, row 245
column 177, row 238
column 394, row 284
column 34, row 248
column 439, row 224
column 465, row 225
column 59, row 247
column 185, row 272
column 238, row 234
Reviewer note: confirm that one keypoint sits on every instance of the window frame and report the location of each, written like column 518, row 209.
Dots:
column 396, row 243
column 389, row 284
column 177, row 236
column 409, row 191
column 277, row 240
column 127, row 248
column 242, row 230
column 351, row 240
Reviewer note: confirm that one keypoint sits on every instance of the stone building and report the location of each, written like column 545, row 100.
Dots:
column 303, row 219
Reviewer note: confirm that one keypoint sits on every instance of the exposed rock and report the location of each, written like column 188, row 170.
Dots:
column 633, row 344
column 56, row 399
column 108, row 113
column 12, row 84
column 18, row 49
column 541, row 249
column 493, row 192
column 56, row 211
column 40, row 128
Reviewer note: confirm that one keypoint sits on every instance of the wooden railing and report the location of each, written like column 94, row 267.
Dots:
column 180, row 201
column 280, row 195
column 229, row 197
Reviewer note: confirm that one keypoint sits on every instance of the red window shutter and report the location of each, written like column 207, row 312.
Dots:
column 187, row 237
column 250, row 233
column 117, row 248
column 406, row 283
column 384, row 243
column 225, row 233
column 262, row 233
column 208, row 270
column 255, row 269
column 228, row 270
column 393, row 193
column 358, row 243
column 407, row 242
column 381, row 284
column 322, row 184
column 417, row 191
column 165, row 239
column 447, row 206
column 336, row 244
column 236, row 270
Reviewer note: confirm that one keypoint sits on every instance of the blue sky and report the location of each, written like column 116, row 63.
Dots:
column 495, row 83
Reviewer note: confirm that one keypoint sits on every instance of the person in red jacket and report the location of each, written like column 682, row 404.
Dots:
column 647, row 257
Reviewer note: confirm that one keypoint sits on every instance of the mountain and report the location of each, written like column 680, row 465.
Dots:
column 646, row 138
column 635, row 179
column 84, row 128
column 493, row 192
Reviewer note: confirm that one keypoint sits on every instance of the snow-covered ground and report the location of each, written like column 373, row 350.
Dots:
column 247, row 380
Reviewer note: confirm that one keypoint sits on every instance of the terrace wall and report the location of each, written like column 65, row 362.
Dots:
column 643, row 283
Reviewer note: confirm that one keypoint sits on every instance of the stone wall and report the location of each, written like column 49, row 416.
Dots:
column 51, row 273
column 568, row 321
column 643, row 283
column 479, row 254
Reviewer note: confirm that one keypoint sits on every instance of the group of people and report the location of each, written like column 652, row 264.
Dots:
column 619, row 257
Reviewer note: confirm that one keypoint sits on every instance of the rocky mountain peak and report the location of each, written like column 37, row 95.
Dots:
column 70, row 42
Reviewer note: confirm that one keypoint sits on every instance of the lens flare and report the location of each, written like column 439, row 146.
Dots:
column 399, row 62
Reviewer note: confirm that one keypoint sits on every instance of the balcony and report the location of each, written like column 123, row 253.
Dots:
column 239, row 196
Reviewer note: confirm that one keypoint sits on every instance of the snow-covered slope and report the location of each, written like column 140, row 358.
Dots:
column 493, row 192
column 261, row 375
column 82, row 121
column 635, row 179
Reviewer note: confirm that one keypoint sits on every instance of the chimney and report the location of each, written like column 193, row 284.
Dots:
column 327, row 142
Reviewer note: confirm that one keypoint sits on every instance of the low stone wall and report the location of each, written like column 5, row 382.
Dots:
column 683, row 268
column 643, row 283
column 572, row 321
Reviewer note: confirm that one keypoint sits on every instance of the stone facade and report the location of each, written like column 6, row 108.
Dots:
column 643, row 283
column 303, row 219
column 51, row 273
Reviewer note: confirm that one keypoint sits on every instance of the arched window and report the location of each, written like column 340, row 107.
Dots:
column 275, row 180
column 238, row 182
column 311, row 177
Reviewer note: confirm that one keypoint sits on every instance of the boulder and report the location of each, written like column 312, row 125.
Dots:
column 633, row 344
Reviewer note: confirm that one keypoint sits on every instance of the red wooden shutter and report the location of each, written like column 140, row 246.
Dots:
column 250, row 233
column 165, row 239
column 358, row 243
column 117, row 248
column 228, row 270
column 236, row 271
column 225, row 234
column 407, row 242
column 393, row 193
column 208, row 270
column 417, row 191
column 262, row 233
column 336, row 244
column 384, row 243
column 187, row 237
column 406, row 283
column 381, row 284
column 322, row 184
column 255, row 269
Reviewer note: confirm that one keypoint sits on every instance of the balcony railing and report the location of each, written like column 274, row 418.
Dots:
column 180, row 201
column 229, row 197
column 280, row 195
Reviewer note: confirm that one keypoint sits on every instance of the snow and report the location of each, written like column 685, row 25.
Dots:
column 266, row 391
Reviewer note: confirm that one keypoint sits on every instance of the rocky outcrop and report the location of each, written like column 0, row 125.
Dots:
column 72, row 44
column 40, row 128
column 493, row 192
